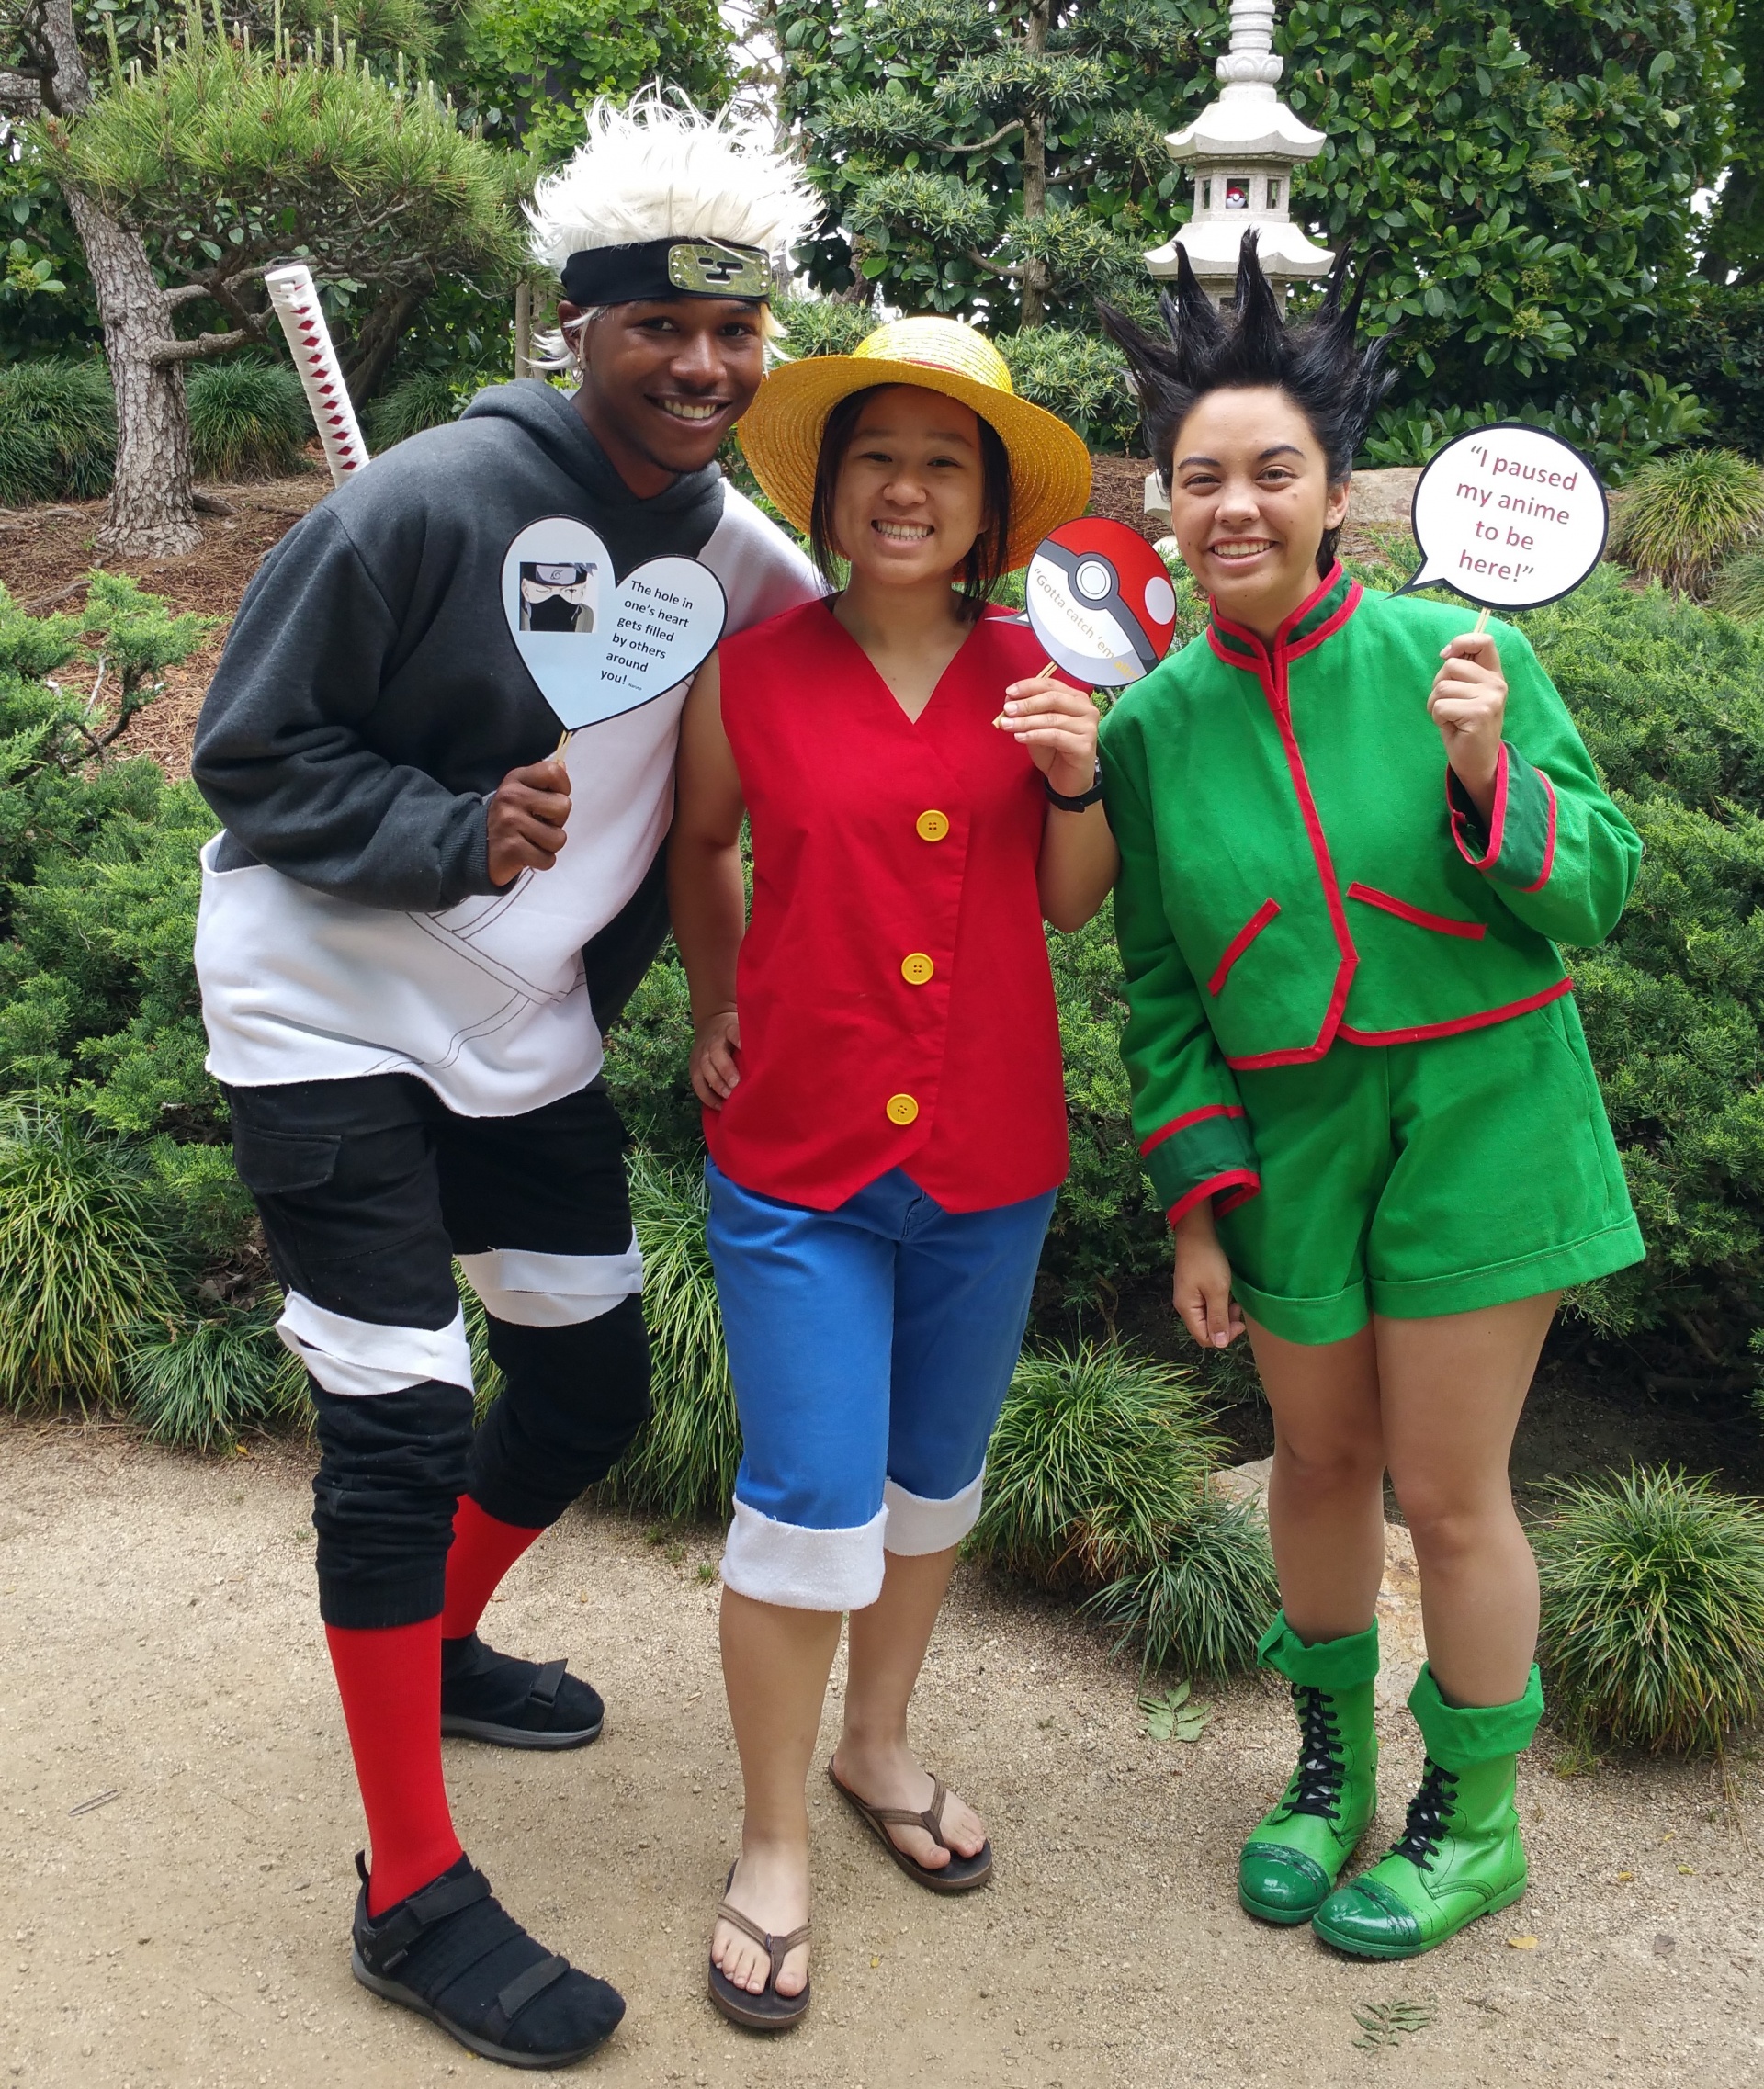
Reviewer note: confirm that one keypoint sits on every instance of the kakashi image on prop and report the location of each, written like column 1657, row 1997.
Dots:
column 557, row 598
column 597, row 650
column 1098, row 598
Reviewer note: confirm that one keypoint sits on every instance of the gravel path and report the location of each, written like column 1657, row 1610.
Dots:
column 176, row 1823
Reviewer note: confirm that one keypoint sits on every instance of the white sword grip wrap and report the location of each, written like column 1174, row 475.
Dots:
column 296, row 300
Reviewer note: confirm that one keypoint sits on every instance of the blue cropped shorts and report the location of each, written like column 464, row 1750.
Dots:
column 871, row 1347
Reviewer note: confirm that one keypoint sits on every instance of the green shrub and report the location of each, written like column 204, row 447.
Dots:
column 81, row 1260
column 1738, row 588
column 197, row 1383
column 1717, row 349
column 1653, row 1621
column 1099, row 1460
column 58, row 431
column 822, row 326
column 1081, row 377
column 1619, row 431
column 1684, row 515
column 1202, row 1608
column 426, row 399
column 683, row 1465
column 648, row 1050
column 248, row 418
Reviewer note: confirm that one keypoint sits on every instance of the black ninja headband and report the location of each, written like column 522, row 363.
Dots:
column 667, row 268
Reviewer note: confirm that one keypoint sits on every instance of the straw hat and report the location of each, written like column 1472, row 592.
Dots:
column 1050, row 467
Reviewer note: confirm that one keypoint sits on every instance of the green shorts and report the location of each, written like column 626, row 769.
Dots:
column 1417, row 1180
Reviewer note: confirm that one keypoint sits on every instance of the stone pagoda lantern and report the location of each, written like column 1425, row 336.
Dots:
column 1243, row 149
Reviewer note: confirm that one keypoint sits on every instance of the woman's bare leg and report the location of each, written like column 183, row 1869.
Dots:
column 776, row 1665
column 1326, row 1499
column 1453, row 1388
column 886, row 1651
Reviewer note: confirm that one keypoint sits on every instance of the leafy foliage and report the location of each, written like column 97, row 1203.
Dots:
column 248, row 418
column 426, row 399
column 1175, row 1715
column 80, row 1258
column 1716, row 348
column 1618, row 432
column 1204, row 1603
column 1653, row 1620
column 1685, row 514
column 1099, row 1460
column 1078, row 377
column 58, row 431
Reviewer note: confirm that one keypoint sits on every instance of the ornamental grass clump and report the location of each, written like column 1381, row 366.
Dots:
column 195, row 1383
column 683, row 1464
column 58, row 431
column 248, row 419
column 426, row 399
column 1099, row 1460
column 1201, row 1608
column 82, row 1259
column 1653, row 1620
column 1738, row 588
column 1684, row 515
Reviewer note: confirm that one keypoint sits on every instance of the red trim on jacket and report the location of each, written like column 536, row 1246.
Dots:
column 1244, row 1180
column 1328, row 627
column 1549, row 837
column 1422, row 1032
column 1240, row 943
column 1187, row 1118
column 1443, row 924
column 1497, row 820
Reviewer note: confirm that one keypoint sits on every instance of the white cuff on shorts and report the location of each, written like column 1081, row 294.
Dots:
column 359, row 1358
column 801, row 1569
column 531, row 1290
column 917, row 1525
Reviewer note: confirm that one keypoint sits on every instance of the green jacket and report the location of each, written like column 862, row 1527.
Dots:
column 1298, row 865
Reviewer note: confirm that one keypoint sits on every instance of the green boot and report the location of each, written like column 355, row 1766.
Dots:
column 1460, row 1855
column 1294, row 1851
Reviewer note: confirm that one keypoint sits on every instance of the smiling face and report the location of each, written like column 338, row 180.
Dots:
column 1249, row 501
column 662, row 383
column 911, row 493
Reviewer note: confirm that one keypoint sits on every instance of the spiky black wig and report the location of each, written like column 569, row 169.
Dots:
column 1334, row 380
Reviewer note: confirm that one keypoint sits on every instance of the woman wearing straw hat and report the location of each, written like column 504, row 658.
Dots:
column 880, row 1073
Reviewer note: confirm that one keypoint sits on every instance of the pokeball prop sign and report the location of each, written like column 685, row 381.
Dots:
column 1100, row 601
column 1508, row 517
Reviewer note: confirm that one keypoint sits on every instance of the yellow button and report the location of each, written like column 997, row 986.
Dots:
column 916, row 969
column 932, row 826
column 901, row 1109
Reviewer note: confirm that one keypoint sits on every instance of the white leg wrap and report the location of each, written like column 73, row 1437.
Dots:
column 358, row 1358
column 917, row 1525
column 532, row 1290
column 802, row 1569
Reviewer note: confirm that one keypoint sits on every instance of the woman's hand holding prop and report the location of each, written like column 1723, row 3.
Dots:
column 1058, row 725
column 1202, row 1289
column 715, row 1052
column 1468, row 703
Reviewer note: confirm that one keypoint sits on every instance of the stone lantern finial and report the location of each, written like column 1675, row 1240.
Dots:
column 1243, row 149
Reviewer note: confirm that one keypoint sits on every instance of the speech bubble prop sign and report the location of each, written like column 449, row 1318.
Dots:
column 1100, row 601
column 596, row 647
column 1509, row 517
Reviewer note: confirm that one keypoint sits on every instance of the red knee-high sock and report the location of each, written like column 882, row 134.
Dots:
column 483, row 1551
column 391, row 1685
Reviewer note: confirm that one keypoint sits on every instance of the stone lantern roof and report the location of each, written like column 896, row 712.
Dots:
column 1243, row 149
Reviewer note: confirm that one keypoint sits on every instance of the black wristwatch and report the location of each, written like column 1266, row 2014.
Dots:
column 1078, row 804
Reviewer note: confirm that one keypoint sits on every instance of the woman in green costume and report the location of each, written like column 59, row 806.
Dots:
column 1352, row 832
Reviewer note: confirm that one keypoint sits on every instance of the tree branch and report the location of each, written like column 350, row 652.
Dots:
column 1014, row 274
column 986, row 144
column 185, row 294
column 202, row 345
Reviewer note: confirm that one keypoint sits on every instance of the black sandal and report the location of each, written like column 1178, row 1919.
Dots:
column 486, row 1696
column 768, row 2010
column 455, row 1955
column 960, row 1875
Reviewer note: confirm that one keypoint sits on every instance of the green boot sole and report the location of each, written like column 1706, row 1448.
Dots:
column 1358, row 1944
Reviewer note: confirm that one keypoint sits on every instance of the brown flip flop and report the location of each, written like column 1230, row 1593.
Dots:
column 768, row 2010
column 960, row 1875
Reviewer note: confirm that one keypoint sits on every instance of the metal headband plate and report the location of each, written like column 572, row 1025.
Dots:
column 709, row 270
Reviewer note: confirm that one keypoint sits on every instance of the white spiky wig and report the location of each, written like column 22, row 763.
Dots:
column 659, row 169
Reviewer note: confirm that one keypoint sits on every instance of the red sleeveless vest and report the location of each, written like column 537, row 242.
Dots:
column 896, row 1005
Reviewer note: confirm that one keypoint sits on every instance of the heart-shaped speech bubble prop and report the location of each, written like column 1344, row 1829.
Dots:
column 1508, row 517
column 598, row 647
column 1100, row 601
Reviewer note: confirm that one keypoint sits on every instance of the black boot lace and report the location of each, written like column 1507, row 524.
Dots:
column 1317, row 1782
column 1425, row 1828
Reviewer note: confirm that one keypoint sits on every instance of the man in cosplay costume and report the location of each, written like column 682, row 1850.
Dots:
column 419, row 920
column 1360, row 1082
